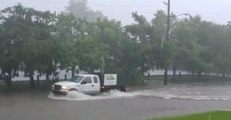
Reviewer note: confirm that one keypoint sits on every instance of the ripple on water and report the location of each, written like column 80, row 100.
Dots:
column 193, row 92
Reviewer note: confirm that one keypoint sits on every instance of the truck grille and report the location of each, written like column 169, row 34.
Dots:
column 57, row 87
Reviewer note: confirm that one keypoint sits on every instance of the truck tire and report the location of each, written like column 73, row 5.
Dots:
column 122, row 88
column 73, row 89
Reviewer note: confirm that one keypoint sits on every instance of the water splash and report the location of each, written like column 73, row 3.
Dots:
column 174, row 92
column 78, row 96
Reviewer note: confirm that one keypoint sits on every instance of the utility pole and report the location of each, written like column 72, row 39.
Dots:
column 167, row 40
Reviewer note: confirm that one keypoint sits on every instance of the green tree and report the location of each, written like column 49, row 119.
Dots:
column 28, row 33
column 11, row 37
column 80, row 40
column 191, row 51
column 140, row 32
column 80, row 9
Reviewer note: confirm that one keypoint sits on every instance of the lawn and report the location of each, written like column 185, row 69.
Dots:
column 216, row 115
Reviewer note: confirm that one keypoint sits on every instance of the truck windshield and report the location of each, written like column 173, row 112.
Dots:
column 77, row 78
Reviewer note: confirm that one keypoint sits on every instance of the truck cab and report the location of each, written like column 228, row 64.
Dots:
column 85, row 83
column 88, row 84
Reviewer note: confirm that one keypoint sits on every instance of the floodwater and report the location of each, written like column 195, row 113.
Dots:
column 137, row 104
column 196, row 91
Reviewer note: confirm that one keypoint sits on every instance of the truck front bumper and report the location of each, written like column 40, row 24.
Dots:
column 58, row 92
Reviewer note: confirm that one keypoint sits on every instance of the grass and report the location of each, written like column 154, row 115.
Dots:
column 216, row 115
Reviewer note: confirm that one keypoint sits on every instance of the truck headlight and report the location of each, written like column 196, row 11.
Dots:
column 64, row 87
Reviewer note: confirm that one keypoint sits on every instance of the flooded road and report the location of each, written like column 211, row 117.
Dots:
column 133, row 105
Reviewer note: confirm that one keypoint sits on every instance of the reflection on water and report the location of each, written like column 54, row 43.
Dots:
column 193, row 91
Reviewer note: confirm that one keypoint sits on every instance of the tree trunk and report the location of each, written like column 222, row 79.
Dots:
column 142, row 70
column 199, row 75
column 148, row 76
column 65, row 77
column 179, row 76
column 223, row 75
column 166, row 76
column 73, row 71
column 206, row 76
column 9, row 80
column 14, row 72
column 174, row 73
column 38, row 80
column 32, row 82
column 193, row 75
column 47, row 77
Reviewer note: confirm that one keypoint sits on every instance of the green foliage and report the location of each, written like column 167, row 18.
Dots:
column 80, row 9
column 42, row 41
column 27, row 36
column 140, row 33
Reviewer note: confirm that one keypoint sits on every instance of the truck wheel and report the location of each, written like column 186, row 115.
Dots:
column 122, row 88
column 73, row 89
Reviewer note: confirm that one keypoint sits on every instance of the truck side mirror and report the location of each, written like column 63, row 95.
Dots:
column 83, row 82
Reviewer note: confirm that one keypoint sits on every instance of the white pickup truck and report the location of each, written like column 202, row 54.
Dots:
column 88, row 84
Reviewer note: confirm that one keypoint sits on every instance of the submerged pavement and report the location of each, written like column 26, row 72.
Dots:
column 30, row 106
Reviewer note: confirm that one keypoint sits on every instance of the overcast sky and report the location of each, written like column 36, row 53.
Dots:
column 212, row 10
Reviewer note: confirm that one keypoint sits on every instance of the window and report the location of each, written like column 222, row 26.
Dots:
column 77, row 78
column 95, row 80
column 87, row 80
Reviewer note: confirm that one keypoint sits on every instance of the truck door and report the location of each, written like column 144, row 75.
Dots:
column 86, row 85
column 96, row 87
